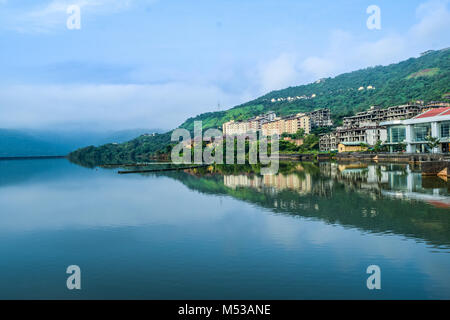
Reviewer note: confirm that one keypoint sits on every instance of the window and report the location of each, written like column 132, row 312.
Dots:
column 422, row 131
column 445, row 129
column 396, row 134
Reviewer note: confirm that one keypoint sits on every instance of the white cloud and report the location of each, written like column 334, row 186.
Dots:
column 52, row 15
column 279, row 73
column 346, row 53
column 389, row 49
column 435, row 20
column 319, row 67
column 108, row 106
column 167, row 105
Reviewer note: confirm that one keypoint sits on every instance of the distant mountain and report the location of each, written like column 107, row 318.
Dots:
column 48, row 143
column 424, row 78
column 18, row 143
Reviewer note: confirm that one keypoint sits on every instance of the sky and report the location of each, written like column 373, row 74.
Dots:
column 155, row 63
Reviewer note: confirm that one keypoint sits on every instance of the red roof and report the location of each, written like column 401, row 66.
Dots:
column 434, row 112
column 446, row 113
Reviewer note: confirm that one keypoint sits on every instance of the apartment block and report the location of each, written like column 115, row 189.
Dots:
column 377, row 114
column 328, row 141
column 368, row 126
column 320, row 118
column 251, row 125
column 290, row 124
column 367, row 133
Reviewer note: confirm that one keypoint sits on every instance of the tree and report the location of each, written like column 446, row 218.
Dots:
column 379, row 147
column 299, row 134
column 432, row 142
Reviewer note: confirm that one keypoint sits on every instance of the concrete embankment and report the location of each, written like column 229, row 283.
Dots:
column 297, row 157
column 391, row 157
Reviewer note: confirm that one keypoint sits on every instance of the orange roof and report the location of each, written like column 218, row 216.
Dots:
column 434, row 112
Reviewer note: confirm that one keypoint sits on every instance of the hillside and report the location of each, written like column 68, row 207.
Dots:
column 17, row 143
column 424, row 78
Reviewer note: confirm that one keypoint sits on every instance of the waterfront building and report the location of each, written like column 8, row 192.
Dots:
column 414, row 132
column 320, row 118
column 328, row 141
column 254, row 124
column 235, row 127
column 351, row 147
column 368, row 133
column 377, row 114
column 289, row 124
column 368, row 126
column 275, row 127
column 269, row 124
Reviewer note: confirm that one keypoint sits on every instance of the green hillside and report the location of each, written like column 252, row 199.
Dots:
column 424, row 78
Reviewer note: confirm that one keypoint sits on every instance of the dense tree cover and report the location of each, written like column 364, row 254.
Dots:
column 139, row 149
column 425, row 78
column 298, row 135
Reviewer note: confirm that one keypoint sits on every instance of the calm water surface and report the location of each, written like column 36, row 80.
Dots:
column 309, row 232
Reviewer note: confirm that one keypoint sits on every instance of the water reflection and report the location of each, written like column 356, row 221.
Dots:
column 397, row 181
column 378, row 198
column 393, row 180
column 223, row 232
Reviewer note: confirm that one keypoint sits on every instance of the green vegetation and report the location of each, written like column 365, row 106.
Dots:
column 300, row 134
column 379, row 147
column 139, row 149
column 424, row 73
column 425, row 78
column 432, row 142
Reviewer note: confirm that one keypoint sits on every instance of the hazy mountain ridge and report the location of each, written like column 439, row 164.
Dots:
column 49, row 143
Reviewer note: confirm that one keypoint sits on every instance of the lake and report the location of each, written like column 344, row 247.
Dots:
column 309, row 232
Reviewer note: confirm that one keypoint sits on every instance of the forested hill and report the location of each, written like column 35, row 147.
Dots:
column 424, row 78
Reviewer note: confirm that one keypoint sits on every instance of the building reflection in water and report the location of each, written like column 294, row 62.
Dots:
column 378, row 180
column 279, row 182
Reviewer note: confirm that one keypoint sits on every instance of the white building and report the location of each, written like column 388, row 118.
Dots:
column 414, row 132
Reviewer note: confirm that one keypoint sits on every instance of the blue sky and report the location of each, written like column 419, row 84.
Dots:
column 153, row 63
